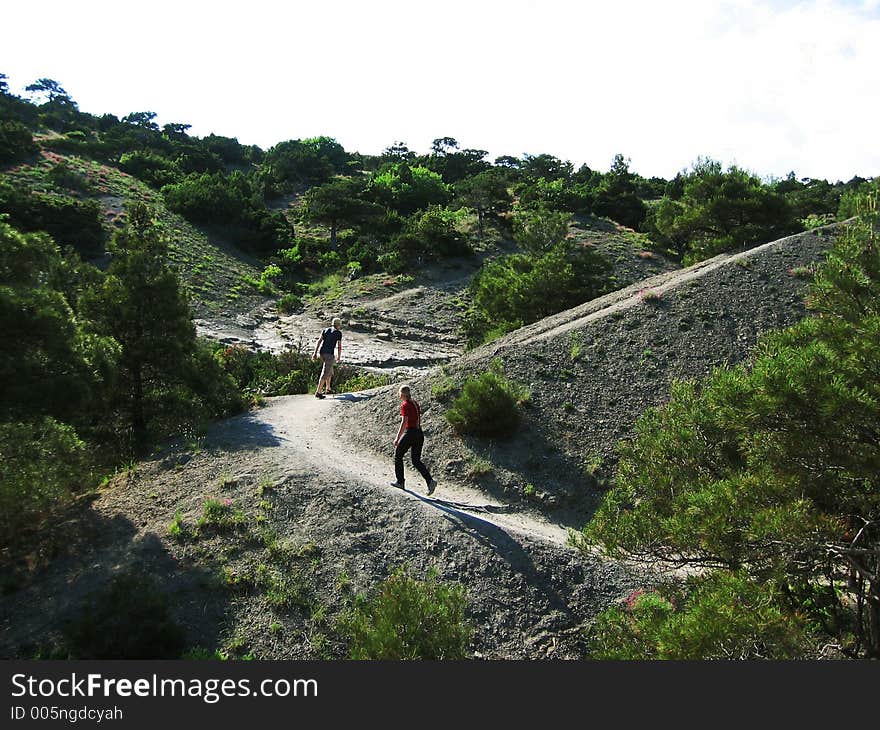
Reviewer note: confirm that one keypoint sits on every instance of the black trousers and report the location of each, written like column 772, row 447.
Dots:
column 412, row 438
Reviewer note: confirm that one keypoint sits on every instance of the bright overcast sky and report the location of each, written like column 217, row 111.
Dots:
column 771, row 85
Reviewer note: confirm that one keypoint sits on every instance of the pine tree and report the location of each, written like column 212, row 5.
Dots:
column 142, row 305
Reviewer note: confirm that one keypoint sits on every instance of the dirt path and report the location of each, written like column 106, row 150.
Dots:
column 309, row 433
column 370, row 341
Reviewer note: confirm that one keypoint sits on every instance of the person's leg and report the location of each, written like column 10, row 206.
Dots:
column 417, row 442
column 402, row 447
column 331, row 360
column 322, row 380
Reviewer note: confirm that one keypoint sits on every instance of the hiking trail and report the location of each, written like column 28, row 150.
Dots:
column 304, row 432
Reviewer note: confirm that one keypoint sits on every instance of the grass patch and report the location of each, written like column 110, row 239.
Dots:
column 408, row 619
column 443, row 389
column 177, row 528
column 218, row 515
column 577, row 350
column 480, row 468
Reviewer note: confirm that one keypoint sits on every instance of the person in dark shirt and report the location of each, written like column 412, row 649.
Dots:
column 330, row 338
column 410, row 436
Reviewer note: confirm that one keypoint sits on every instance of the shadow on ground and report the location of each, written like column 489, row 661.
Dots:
column 59, row 602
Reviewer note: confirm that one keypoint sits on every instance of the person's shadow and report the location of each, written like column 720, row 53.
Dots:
column 353, row 397
column 503, row 544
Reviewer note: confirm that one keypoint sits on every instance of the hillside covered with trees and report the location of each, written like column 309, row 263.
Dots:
column 116, row 232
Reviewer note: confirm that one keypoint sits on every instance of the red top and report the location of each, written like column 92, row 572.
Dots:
column 410, row 410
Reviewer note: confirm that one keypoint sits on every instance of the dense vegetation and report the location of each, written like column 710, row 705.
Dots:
column 766, row 477
column 396, row 211
column 551, row 275
column 103, row 364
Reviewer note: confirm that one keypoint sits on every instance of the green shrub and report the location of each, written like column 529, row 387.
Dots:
column 577, row 347
column 408, row 619
column 16, row 141
column 539, row 230
column 431, row 234
column 856, row 201
column 488, row 405
column 817, row 220
column 268, row 277
column 721, row 616
column 289, row 303
column 444, row 389
column 41, row 463
column 71, row 222
column 405, row 189
column 355, row 381
column 63, row 175
column 232, row 201
column 128, row 619
column 219, row 515
column 152, row 168
column 522, row 288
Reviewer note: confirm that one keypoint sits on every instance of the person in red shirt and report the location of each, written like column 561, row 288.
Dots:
column 410, row 435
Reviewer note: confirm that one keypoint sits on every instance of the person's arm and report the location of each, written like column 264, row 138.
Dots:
column 400, row 430
column 317, row 345
column 339, row 349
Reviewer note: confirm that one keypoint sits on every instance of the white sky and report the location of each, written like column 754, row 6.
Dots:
column 772, row 85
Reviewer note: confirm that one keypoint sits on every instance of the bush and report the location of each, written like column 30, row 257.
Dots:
column 266, row 283
column 520, row 289
column 152, row 168
column 16, row 141
column 129, row 619
column 232, row 201
column 218, row 515
column 488, row 405
column 406, row 189
column 431, row 235
column 69, row 221
column 289, row 303
column 853, row 202
column 296, row 161
column 287, row 373
column 539, row 230
column 42, row 462
column 408, row 619
column 721, row 616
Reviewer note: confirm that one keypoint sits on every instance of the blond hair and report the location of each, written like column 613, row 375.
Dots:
column 336, row 322
column 404, row 390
